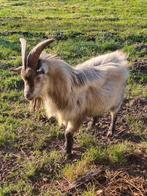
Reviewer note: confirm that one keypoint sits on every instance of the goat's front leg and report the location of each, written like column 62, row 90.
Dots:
column 71, row 128
column 112, row 125
column 68, row 142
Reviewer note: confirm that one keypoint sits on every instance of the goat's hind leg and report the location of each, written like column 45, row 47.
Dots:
column 113, row 113
column 92, row 123
column 112, row 125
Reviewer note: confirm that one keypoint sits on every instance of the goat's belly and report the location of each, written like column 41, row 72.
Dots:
column 102, row 106
column 97, row 111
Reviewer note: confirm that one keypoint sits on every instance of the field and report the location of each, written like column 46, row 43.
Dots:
column 31, row 146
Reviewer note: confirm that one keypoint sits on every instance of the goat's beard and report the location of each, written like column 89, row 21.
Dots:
column 36, row 104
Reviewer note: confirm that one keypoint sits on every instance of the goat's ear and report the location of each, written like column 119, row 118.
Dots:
column 16, row 70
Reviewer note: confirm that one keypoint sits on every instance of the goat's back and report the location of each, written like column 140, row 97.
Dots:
column 117, row 57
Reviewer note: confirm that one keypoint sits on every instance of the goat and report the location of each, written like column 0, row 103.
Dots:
column 72, row 94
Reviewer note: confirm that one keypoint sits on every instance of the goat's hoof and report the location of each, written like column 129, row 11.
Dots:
column 109, row 134
column 69, row 156
column 66, row 154
column 88, row 128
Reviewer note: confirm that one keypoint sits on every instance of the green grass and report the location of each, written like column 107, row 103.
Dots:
column 20, row 187
column 90, row 191
column 136, row 124
column 35, row 167
column 113, row 154
column 83, row 29
column 86, row 140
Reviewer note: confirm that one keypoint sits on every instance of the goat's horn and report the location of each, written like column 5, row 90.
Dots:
column 36, row 51
column 23, row 51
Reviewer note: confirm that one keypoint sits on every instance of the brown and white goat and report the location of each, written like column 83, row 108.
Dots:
column 72, row 94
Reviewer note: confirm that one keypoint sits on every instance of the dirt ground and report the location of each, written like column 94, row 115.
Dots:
column 125, row 180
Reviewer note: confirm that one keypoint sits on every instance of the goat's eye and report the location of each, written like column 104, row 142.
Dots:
column 40, row 71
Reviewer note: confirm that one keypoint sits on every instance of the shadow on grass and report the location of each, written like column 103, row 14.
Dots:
column 136, row 138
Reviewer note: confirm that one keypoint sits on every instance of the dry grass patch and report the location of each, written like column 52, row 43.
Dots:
column 73, row 171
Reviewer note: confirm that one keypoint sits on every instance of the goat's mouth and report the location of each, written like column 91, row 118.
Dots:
column 29, row 97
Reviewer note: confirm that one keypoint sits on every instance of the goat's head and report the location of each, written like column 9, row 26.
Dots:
column 32, row 76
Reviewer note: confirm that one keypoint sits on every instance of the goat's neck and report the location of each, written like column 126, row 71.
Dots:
column 59, row 83
column 59, row 91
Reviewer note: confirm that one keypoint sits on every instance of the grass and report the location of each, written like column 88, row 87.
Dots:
column 137, row 124
column 19, row 187
column 136, row 90
column 114, row 154
column 31, row 143
column 144, row 146
column 86, row 140
column 6, row 134
column 73, row 171
column 34, row 167
column 90, row 191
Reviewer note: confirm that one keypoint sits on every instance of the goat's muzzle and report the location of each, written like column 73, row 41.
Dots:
column 28, row 96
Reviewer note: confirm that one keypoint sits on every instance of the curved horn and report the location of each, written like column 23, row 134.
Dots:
column 23, row 51
column 36, row 51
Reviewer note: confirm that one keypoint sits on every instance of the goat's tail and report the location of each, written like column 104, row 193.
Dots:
column 118, row 57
